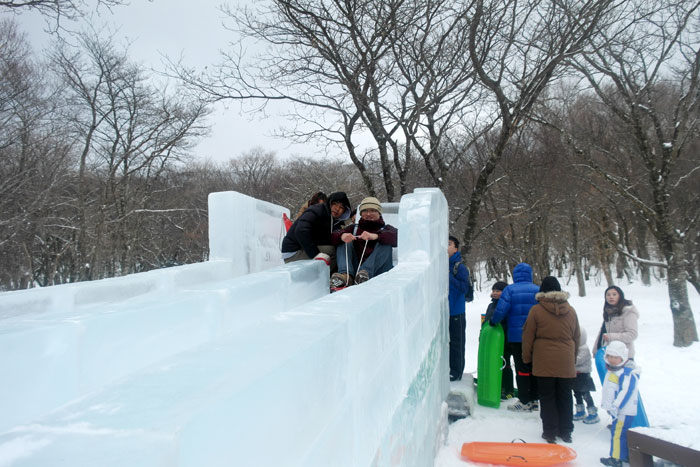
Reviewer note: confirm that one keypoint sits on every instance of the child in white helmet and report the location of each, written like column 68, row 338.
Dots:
column 620, row 392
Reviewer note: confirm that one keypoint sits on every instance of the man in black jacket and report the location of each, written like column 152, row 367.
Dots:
column 310, row 235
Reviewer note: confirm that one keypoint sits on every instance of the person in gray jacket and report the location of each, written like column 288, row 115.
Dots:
column 583, row 384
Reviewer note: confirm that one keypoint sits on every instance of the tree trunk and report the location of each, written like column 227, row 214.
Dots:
column 620, row 265
column 642, row 251
column 366, row 179
column 576, row 259
column 604, row 261
column 684, row 330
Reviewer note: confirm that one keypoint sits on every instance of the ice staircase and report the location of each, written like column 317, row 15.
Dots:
column 240, row 360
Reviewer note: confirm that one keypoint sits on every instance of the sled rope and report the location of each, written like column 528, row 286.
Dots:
column 362, row 256
column 347, row 267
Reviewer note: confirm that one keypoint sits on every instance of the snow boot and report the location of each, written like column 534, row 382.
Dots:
column 592, row 416
column 340, row 279
column 611, row 461
column 580, row 412
column 362, row 276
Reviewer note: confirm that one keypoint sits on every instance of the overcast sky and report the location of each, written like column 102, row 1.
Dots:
column 194, row 30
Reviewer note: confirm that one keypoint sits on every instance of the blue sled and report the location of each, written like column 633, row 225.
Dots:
column 641, row 418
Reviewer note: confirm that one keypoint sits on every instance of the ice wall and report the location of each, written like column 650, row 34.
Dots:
column 353, row 378
column 245, row 230
column 58, row 343
column 239, row 226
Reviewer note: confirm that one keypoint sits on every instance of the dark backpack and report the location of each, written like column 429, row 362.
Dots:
column 469, row 294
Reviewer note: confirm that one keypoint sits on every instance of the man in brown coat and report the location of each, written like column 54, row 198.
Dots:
column 551, row 338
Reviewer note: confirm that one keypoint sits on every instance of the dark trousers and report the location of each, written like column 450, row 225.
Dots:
column 584, row 396
column 458, row 340
column 556, row 405
column 507, row 373
column 527, row 384
column 379, row 262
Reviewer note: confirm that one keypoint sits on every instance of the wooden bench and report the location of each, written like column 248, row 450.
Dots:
column 642, row 447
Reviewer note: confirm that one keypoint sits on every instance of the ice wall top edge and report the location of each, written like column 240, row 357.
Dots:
column 425, row 212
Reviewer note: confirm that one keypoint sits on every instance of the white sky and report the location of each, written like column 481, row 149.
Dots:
column 194, row 30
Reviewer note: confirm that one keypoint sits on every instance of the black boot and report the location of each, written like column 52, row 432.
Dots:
column 611, row 461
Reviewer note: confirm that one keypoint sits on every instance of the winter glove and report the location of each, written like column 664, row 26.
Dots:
column 323, row 257
column 612, row 412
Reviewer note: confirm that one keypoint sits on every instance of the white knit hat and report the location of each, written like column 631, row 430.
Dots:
column 617, row 349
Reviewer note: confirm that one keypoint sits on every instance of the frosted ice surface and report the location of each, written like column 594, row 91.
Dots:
column 260, row 369
column 68, row 353
column 236, row 219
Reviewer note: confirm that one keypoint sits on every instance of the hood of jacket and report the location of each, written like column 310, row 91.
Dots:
column 522, row 273
column 456, row 258
column 340, row 196
column 554, row 302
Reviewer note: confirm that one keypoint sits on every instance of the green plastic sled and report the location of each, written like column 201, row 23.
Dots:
column 490, row 364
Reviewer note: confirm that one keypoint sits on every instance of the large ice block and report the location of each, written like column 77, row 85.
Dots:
column 354, row 378
column 56, row 343
column 236, row 221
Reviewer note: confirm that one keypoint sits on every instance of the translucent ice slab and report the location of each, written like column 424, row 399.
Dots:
column 354, row 378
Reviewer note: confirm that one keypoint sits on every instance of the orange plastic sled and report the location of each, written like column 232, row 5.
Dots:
column 521, row 454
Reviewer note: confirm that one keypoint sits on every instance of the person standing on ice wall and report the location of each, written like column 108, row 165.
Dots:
column 620, row 393
column 514, row 305
column 459, row 290
column 364, row 249
column 310, row 235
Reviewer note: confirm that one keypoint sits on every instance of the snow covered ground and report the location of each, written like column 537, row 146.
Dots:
column 669, row 380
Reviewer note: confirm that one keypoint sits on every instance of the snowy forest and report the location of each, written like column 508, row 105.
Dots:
column 563, row 133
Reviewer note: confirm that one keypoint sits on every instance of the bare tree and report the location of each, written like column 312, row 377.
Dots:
column 517, row 49
column 34, row 151
column 255, row 173
column 58, row 10
column 323, row 57
column 128, row 132
column 395, row 70
column 645, row 73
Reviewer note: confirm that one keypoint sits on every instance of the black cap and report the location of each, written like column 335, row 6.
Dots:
column 500, row 285
column 550, row 284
